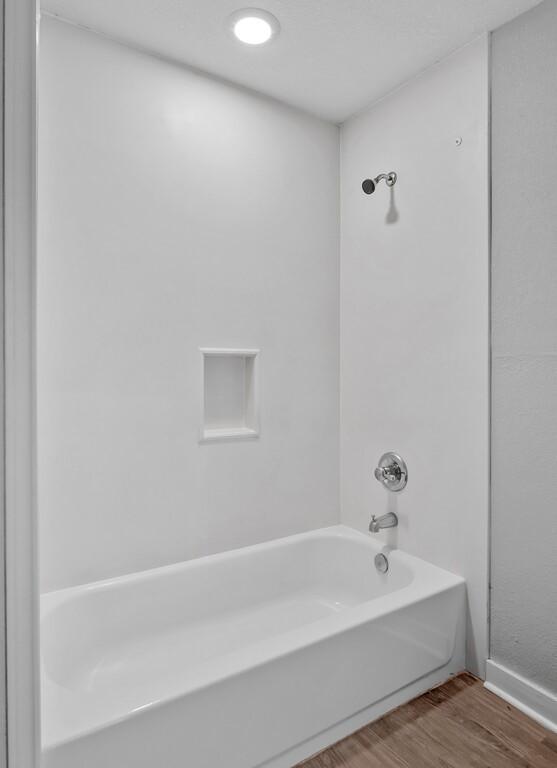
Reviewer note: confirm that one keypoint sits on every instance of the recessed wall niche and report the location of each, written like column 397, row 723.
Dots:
column 230, row 403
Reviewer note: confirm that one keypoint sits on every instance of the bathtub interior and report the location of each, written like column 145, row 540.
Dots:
column 205, row 608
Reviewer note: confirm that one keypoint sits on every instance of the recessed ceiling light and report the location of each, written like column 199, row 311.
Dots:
column 254, row 26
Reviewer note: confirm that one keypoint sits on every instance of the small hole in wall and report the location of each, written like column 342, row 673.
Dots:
column 230, row 407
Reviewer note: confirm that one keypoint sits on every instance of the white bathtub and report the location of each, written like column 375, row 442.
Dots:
column 257, row 657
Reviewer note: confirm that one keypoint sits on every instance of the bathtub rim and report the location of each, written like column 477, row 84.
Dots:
column 52, row 598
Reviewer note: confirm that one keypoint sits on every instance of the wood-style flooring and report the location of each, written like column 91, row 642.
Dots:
column 459, row 725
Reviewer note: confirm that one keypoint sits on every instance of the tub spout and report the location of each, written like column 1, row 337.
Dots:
column 390, row 520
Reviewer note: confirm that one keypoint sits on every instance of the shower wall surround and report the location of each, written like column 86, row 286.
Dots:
column 524, row 390
column 415, row 319
column 177, row 212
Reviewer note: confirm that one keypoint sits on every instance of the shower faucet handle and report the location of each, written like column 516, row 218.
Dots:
column 387, row 474
column 392, row 472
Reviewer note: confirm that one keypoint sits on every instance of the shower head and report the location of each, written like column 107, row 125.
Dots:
column 369, row 185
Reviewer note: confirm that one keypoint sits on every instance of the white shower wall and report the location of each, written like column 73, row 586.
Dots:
column 415, row 320
column 177, row 212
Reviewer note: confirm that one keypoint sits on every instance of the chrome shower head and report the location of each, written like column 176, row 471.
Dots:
column 369, row 185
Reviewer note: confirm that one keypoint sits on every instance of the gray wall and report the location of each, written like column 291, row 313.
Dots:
column 524, row 294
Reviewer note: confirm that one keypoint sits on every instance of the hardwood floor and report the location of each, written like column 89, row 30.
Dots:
column 459, row 725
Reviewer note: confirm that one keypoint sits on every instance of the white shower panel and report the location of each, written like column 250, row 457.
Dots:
column 415, row 319
column 177, row 212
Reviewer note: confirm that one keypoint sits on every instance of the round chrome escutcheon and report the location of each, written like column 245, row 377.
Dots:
column 381, row 563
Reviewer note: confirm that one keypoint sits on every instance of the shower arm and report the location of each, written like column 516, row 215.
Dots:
column 390, row 178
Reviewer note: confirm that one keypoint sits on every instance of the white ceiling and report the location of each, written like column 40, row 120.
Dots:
column 332, row 58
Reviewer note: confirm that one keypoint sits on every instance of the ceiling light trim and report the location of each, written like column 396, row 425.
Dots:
column 243, row 36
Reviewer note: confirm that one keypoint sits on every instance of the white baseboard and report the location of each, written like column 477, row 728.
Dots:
column 536, row 702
